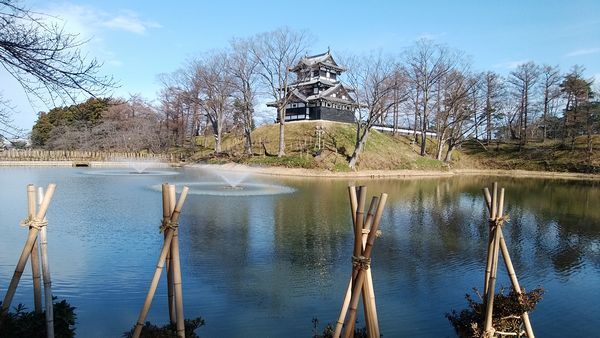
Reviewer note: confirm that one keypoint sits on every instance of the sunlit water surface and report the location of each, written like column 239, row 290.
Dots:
column 266, row 265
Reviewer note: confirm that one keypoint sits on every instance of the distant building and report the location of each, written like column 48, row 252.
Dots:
column 317, row 93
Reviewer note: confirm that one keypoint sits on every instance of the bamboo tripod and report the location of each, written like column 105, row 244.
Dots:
column 495, row 205
column 36, row 221
column 170, row 249
column 361, row 281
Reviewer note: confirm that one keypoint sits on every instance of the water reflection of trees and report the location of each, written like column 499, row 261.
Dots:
column 430, row 227
column 554, row 225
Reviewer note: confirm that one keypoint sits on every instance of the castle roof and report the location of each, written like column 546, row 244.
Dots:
column 324, row 59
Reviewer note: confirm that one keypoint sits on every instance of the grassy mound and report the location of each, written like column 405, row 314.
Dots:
column 333, row 148
column 330, row 151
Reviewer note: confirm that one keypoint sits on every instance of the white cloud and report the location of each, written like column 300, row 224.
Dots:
column 91, row 25
column 85, row 19
column 583, row 51
column 510, row 64
column 130, row 22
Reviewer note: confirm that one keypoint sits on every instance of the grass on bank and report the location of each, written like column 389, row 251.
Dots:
column 386, row 152
column 305, row 149
column 552, row 155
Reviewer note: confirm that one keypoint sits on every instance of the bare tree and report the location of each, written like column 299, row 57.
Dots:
column 523, row 79
column 276, row 52
column 216, row 91
column 43, row 58
column 7, row 129
column 454, row 110
column 125, row 125
column 243, row 69
column 378, row 86
column 493, row 89
column 171, row 98
column 427, row 65
column 550, row 81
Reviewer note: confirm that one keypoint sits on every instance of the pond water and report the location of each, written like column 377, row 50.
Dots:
column 266, row 265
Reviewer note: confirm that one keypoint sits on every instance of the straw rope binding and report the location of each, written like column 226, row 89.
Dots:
column 361, row 262
column 168, row 224
column 33, row 223
column 499, row 221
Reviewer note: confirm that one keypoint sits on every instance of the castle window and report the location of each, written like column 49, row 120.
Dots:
column 315, row 90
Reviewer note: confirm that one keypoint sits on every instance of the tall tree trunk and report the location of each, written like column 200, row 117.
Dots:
column 545, row 119
column 416, row 127
column 440, row 145
column 488, row 117
column 360, row 146
column 248, row 143
column 218, row 143
column 448, row 157
column 424, row 124
column 525, row 112
column 590, row 124
column 281, row 151
column 395, row 128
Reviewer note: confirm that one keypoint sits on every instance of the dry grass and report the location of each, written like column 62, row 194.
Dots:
column 386, row 152
column 548, row 156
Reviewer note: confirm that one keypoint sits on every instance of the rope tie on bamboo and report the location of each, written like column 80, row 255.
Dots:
column 499, row 221
column 168, row 224
column 361, row 262
column 33, row 223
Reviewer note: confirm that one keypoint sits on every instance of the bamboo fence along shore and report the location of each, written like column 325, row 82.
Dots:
column 33, row 155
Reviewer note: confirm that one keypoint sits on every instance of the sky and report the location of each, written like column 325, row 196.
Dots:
column 136, row 40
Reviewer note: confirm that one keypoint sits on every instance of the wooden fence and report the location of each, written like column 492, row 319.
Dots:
column 74, row 155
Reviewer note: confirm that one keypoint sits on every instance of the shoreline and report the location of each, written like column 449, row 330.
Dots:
column 319, row 173
column 378, row 174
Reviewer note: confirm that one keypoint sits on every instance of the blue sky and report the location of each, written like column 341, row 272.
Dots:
column 137, row 40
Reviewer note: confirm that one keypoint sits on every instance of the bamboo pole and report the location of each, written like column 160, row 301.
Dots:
column 489, row 305
column 513, row 276
column 353, row 202
column 370, row 307
column 46, row 274
column 35, row 257
column 490, row 247
column 368, row 289
column 361, row 272
column 358, row 230
column 14, row 282
column 358, row 226
column 177, row 273
column 340, row 322
column 346, row 302
column 368, row 293
column 166, row 204
column 159, row 265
